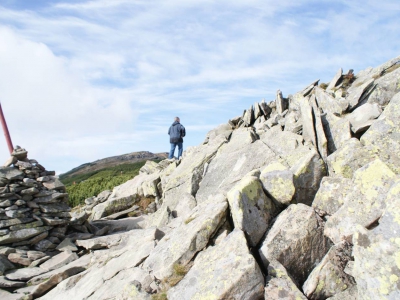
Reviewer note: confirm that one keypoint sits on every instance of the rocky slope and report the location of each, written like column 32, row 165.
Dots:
column 295, row 199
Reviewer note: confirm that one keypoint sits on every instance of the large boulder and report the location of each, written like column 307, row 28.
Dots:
column 383, row 136
column 127, row 194
column 182, row 244
column 327, row 102
column 225, row 271
column 241, row 155
column 277, row 180
column 377, row 253
column 187, row 176
column 296, row 240
column 251, row 209
column 337, row 131
column 329, row 277
column 363, row 117
column 371, row 183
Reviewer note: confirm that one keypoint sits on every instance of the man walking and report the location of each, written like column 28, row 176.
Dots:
column 176, row 133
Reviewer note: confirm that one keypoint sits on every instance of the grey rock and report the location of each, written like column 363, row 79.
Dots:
column 378, row 249
column 52, row 198
column 327, row 102
column 4, row 232
column 349, row 158
column 349, row 294
column 122, row 213
column 198, row 229
column 6, row 250
column 185, row 206
column 332, row 193
column 372, row 183
column 18, row 258
column 4, row 283
column 281, row 103
column 5, row 265
column 279, row 283
column 248, row 116
column 335, row 80
column 329, row 278
column 39, row 261
column 357, row 91
column 297, row 229
column 59, row 260
column 234, row 160
column 67, row 244
column 277, row 180
column 23, row 234
column 54, row 207
column 251, row 209
column 383, row 136
column 30, row 191
column 24, row 274
column 44, row 245
column 226, row 271
column 337, row 131
column 34, row 255
column 26, row 225
column 11, row 173
column 54, row 184
column 363, row 117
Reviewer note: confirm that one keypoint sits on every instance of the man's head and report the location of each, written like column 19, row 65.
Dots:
column 177, row 119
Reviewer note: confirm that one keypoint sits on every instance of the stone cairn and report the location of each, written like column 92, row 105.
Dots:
column 34, row 211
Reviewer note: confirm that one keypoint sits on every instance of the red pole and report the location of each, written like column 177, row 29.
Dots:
column 5, row 130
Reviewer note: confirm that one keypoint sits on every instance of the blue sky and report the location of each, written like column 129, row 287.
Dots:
column 83, row 80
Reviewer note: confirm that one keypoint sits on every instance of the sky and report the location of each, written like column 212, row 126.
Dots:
column 84, row 80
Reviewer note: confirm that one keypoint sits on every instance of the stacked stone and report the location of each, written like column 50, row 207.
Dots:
column 34, row 211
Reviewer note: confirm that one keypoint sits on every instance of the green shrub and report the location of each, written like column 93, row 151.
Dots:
column 83, row 186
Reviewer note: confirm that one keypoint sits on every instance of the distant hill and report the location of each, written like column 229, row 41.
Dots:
column 90, row 179
column 98, row 165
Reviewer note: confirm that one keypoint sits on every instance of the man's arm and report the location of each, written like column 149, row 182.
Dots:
column 169, row 131
column 183, row 131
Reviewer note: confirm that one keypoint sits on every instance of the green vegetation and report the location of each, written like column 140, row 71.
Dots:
column 82, row 186
column 323, row 86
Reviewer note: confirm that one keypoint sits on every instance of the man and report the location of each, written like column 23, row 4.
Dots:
column 176, row 133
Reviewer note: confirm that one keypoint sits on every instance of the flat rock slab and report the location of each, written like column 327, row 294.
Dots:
column 280, row 285
column 226, row 271
column 103, row 241
column 234, row 160
column 4, row 283
column 59, row 260
column 24, row 274
column 121, row 213
column 297, row 230
column 23, row 234
column 185, row 241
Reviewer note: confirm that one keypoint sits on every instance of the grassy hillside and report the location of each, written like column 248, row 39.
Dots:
column 82, row 186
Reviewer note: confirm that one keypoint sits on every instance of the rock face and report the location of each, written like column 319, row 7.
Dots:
column 297, row 198
column 251, row 209
column 297, row 230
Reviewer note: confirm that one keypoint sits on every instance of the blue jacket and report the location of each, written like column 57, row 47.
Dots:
column 176, row 133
